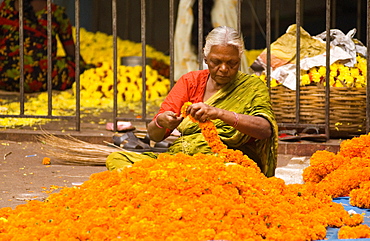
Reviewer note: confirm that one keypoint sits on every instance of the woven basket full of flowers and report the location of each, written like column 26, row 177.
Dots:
column 347, row 112
column 347, row 107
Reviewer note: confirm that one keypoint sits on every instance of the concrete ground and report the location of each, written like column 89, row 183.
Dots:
column 24, row 177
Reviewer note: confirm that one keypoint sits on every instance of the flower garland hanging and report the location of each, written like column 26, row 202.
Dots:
column 209, row 130
column 210, row 134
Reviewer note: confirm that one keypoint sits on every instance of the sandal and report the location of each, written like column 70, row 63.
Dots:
column 161, row 146
column 129, row 141
column 289, row 135
column 312, row 134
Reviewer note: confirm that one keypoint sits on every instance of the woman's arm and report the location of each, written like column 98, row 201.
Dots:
column 161, row 124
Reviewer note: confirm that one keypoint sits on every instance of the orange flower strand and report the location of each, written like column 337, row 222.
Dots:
column 210, row 133
column 208, row 129
column 184, row 108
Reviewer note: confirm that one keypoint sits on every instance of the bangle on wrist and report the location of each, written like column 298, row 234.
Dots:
column 156, row 122
column 236, row 120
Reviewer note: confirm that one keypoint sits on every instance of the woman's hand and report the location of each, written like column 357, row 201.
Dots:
column 254, row 126
column 202, row 112
column 169, row 120
column 166, row 120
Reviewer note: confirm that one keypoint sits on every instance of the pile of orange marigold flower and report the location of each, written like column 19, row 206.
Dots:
column 346, row 173
column 182, row 197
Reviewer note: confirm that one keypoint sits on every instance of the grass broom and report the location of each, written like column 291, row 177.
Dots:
column 70, row 150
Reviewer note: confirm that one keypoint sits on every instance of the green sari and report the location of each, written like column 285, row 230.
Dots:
column 245, row 95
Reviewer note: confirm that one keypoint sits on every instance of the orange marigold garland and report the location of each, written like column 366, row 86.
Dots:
column 210, row 134
column 208, row 129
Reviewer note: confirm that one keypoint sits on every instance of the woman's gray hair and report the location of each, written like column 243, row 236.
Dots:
column 224, row 35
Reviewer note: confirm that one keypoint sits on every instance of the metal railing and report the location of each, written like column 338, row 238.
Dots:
column 330, row 15
column 49, row 114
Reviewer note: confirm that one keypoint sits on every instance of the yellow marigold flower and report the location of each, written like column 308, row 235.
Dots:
column 305, row 80
column 322, row 70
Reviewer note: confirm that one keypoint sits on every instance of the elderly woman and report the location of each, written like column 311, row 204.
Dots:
column 237, row 103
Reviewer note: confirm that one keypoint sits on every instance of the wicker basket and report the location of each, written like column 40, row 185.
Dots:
column 347, row 108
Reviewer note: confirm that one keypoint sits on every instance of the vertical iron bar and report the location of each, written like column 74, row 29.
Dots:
column 298, row 60
column 172, row 27
column 50, row 63
column 77, row 61
column 115, row 90
column 143, row 57
column 200, row 33
column 368, row 68
column 21, row 56
column 327, row 78
column 268, row 43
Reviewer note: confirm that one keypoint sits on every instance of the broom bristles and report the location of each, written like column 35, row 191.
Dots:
column 71, row 150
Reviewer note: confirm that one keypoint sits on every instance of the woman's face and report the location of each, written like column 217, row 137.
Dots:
column 223, row 63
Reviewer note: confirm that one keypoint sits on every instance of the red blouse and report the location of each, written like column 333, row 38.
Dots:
column 190, row 87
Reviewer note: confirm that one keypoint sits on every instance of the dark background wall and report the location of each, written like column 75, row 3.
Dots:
column 96, row 15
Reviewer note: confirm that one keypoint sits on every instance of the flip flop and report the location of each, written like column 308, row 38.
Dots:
column 289, row 135
column 129, row 141
column 121, row 126
column 312, row 134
